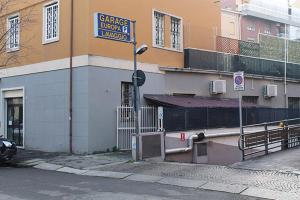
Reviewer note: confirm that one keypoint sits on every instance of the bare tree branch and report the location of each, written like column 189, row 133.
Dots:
column 25, row 20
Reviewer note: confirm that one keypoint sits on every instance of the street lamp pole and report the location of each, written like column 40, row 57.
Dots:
column 135, row 136
column 285, row 71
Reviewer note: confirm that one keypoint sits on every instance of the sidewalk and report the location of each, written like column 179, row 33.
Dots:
column 242, row 178
column 33, row 158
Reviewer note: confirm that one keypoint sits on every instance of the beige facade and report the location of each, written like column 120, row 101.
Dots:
column 198, row 31
column 230, row 24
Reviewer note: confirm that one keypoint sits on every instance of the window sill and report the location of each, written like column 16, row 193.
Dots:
column 12, row 50
column 50, row 41
column 168, row 49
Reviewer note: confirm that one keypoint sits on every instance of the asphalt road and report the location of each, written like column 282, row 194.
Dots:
column 34, row 184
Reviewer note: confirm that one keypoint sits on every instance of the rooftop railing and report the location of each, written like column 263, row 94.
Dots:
column 226, row 62
column 271, row 12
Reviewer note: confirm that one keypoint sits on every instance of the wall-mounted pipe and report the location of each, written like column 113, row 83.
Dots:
column 71, row 80
column 190, row 144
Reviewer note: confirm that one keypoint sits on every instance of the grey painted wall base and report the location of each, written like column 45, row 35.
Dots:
column 97, row 93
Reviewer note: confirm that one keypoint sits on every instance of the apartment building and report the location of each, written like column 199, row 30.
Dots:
column 250, row 18
column 61, row 85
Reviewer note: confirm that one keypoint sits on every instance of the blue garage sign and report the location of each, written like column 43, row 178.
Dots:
column 111, row 27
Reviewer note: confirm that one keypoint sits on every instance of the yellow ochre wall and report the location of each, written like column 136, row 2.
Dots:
column 201, row 22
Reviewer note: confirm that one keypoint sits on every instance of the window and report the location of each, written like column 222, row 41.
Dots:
column 268, row 29
column 159, row 28
column 13, row 37
column 294, row 103
column 126, row 94
column 251, row 27
column 51, row 23
column 232, row 28
column 250, row 99
column 175, row 33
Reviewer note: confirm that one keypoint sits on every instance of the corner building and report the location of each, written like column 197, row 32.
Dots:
column 35, row 85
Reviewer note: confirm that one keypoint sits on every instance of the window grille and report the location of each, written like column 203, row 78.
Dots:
column 126, row 94
column 13, row 33
column 159, row 29
column 175, row 33
column 51, row 18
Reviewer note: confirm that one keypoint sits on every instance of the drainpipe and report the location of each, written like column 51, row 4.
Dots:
column 71, row 80
column 188, row 148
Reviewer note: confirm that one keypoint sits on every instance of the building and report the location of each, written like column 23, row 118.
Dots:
column 55, row 55
column 35, row 81
column 295, row 7
column 253, row 17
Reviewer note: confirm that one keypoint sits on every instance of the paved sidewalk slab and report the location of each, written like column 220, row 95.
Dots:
column 221, row 187
column 182, row 182
column 107, row 174
column 71, row 170
column 269, row 194
column 48, row 166
column 143, row 178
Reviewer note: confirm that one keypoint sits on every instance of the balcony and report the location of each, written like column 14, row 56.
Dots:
column 271, row 12
column 225, row 62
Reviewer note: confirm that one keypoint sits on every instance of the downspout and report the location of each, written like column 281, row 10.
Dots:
column 71, row 80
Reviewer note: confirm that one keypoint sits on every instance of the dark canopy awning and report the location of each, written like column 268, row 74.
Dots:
column 194, row 101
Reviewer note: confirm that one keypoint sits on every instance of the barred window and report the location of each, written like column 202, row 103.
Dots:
column 294, row 103
column 13, row 38
column 175, row 33
column 51, row 20
column 250, row 99
column 126, row 94
column 159, row 28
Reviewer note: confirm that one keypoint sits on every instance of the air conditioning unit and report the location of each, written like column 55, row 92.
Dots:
column 270, row 91
column 218, row 87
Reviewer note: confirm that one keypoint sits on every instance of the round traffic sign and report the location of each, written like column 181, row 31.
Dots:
column 141, row 77
column 239, row 80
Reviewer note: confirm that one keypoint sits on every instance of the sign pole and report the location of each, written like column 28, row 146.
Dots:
column 135, row 136
column 239, row 86
column 240, row 113
column 241, row 124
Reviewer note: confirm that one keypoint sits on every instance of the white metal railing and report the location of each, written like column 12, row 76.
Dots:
column 274, row 12
column 126, row 124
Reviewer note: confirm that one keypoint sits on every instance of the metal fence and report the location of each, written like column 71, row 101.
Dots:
column 219, row 61
column 271, row 138
column 233, row 46
column 182, row 119
column 126, row 124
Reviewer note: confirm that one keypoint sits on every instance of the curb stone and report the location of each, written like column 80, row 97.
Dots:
column 71, row 170
column 182, row 182
column 144, row 178
column 48, row 166
column 230, row 188
column 32, row 163
column 107, row 174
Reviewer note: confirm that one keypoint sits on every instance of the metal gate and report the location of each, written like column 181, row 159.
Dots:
column 126, row 124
